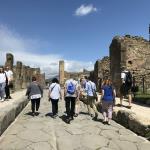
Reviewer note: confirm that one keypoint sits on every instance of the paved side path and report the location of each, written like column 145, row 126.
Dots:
column 16, row 96
column 142, row 112
column 45, row 133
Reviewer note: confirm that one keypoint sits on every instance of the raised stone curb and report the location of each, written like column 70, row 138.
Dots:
column 130, row 120
column 9, row 113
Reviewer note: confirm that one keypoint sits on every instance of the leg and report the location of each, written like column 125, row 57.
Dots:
column 88, row 105
column 110, row 109
column 3, row 90
column 56, row 106
column 53, row 107
column 130, row 99
column 72, row 107
column 33, row 105
column 67, row 100
column 104, row 112
column 37, row 104
column 7, row 91
column 94, row 108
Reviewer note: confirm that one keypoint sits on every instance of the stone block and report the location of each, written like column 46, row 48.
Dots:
column 9, row 113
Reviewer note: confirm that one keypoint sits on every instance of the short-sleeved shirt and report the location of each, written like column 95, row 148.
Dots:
column 2, row 78
column 108, row 93
column 90, row 86
column 9, row 74
column 76, row 85
column 55, row 91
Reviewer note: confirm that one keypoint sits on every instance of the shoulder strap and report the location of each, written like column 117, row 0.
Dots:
column 6, row 77
column 53, row 88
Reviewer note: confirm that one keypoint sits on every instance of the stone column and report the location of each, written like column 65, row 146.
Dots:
column 29, row 76
column 61, row 72
column 18, row 77
column 24, row 76
column 9, row 60
column 115, row 63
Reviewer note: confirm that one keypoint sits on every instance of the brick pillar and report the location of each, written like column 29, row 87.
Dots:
column 61, row 72
column 18, row 77
column 9, row 60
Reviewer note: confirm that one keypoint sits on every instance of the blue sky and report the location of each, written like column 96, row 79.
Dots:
column 78, row 31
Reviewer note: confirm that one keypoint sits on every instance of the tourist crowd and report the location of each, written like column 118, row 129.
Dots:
column 6, row 82
column 75, row 92
column 82, row 91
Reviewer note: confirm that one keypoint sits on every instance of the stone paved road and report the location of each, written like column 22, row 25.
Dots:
column 45, row 133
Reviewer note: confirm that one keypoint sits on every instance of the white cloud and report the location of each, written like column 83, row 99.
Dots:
column 85, row 10
column 24, row 50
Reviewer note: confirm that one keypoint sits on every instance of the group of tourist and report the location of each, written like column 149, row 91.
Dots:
column 83, row 90
column 74, row 92
column 6, row 82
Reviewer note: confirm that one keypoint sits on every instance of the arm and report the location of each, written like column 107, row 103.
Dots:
column 28, row 91
column 114, row 93
column 41, row 89
column 102, row 96
column 49, row 93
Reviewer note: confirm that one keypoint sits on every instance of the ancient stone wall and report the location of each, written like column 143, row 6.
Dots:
column 64, row 75
column 23, row 74
column 131, row 52
column 101, row 71
column 9, row 60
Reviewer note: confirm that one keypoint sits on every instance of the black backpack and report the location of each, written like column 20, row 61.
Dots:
column 128, row 80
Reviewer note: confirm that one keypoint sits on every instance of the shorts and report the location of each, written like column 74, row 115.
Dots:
column 125, row 90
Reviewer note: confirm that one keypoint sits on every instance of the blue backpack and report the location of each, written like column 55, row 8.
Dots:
column 71, row 88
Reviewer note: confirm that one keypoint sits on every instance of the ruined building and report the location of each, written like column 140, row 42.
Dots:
column 133, row 53
column 64, row 75
column 101, row 71
column 23, row 74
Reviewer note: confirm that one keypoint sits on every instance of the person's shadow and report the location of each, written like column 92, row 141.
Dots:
column 49, row 115
column 31, row 114
column 64, row 118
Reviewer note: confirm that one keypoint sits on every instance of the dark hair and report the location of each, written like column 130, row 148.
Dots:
column 86, row 77
column 33, row 78
column 55, row 80
column 2, row 69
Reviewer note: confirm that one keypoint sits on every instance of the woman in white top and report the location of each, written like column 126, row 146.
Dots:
column 3, row 80
column 54, row 95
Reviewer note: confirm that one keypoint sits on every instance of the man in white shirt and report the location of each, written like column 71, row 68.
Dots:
column 71, row 93
column 9, row 85
column 125, row 89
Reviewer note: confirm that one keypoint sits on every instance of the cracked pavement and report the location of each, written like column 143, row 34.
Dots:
column 45, row 133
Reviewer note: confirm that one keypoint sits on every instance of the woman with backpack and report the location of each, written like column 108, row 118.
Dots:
column 107, row 99
column 54, row 95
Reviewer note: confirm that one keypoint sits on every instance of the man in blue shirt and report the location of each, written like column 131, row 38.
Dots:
column 90, row 87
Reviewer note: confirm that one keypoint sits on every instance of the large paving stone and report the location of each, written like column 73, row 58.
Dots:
column 144, row 146
column 131, row 138
column 94, row 141
column 124, row 145
column 41, row 146
column 110, row 134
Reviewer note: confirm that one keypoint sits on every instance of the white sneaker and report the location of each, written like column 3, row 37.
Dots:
column 2, row 99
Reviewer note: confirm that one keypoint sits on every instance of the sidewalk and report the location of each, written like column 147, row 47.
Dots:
column 15, row 97
column 142, row 111
column 42, row 132
column 9, row 109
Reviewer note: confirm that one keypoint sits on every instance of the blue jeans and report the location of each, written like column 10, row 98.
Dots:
column 2, row 89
